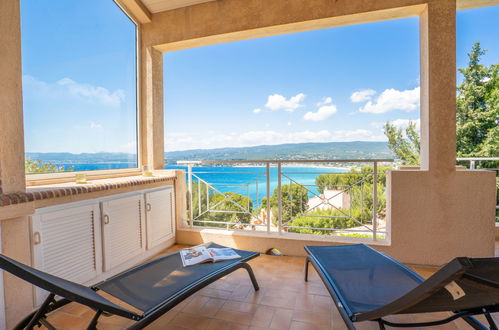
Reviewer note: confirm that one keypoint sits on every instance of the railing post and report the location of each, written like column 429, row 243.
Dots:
column 256, row 193
column 279, row 197
column 267, row 172
column 248, row 197
column 472, row 164
column 207, row 197
column 375, row 199
column 199, row 197
column 189, row 181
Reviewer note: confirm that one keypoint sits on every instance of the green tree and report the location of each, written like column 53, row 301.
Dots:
column 321, row 219
column 236, row 203
column 404, row 146
column 38, row 166
column 477, row 132
column 477, row 115
column 362, row 200
column 294, row 201
column 337, row 180
column 232, row 205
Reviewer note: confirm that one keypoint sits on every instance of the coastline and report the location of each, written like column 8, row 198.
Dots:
column 302, row 165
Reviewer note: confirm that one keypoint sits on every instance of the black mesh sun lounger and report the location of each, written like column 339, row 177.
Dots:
column 367, row 285
column 153, row 288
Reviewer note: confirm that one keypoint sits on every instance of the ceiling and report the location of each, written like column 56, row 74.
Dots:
column 156, row 6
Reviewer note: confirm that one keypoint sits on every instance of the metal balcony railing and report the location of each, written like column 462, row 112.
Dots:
column 289, row 196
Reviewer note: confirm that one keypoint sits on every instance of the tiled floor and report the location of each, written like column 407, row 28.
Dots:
column 284, row 301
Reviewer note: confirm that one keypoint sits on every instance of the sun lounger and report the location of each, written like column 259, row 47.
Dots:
column 368, row 286
column 153, row 288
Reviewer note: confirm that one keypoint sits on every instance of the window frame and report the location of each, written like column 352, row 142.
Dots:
column 34, row 179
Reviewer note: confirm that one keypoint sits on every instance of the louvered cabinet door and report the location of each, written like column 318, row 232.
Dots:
column 122, row 226
column 160, row 212
column 67, row 243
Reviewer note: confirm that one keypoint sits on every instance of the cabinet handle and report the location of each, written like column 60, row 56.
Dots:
column 37, row 239
column 106, row 219
column 148, row 207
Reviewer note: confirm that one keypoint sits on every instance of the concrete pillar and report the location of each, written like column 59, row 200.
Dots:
column 436, row 208
column 14, row 240
column 180, row 198
column 12, row 178
column 151, row 111
column 438, row 86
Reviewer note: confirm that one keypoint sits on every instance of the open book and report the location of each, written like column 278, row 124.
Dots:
column 200, row 254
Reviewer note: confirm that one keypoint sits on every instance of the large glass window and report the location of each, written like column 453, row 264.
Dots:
column 79, row 86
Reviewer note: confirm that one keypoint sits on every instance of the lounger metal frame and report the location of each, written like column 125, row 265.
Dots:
column 454, row 270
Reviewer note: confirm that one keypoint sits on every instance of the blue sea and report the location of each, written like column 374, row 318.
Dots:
column 252, row 181
column 248, row 181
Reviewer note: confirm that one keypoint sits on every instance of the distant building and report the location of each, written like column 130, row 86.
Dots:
column 330, row 199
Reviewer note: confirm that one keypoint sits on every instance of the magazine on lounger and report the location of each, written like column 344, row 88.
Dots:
column 200, row 254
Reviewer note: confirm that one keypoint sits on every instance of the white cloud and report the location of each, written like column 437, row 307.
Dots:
column 362, row 95
column 95, row 125
column 403, row 123
column 324, row 101
column 94, row 93
column 279, row 102
column 392, row 99
column 181, row 141
column 358, row 135
column 67, row 87
column 258, row 110
column 322, row 113
column 290, row 123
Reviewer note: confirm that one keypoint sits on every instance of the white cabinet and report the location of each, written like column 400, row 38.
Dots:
column 65, row 242
column 122, row 230
column 88, row 241
column 160, row 215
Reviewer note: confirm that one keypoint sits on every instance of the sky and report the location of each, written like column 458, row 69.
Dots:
column 339, row 84
column 78, row 76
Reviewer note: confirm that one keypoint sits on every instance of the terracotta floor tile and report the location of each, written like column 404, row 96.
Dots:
column 235, row 317
column 238, row 306
column 163, row 321
column 262, row 317
column 296, row 325
column 217, row 324
column 215, row 293
column 278, row 302
column 305, row 302
column 190, row 321
column 368, row 325
column 313, row 318
column 195, row 304
column 282, row 319
column 75, row 309
column 62, row 320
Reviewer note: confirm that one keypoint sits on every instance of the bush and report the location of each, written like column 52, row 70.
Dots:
column 219, row 202
column 321, row 222
column 38, row 166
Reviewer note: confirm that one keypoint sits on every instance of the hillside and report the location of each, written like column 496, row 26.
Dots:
column 298, row 151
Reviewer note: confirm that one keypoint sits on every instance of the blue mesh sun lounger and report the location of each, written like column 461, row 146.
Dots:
column 367, row 285
column 153, row 287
